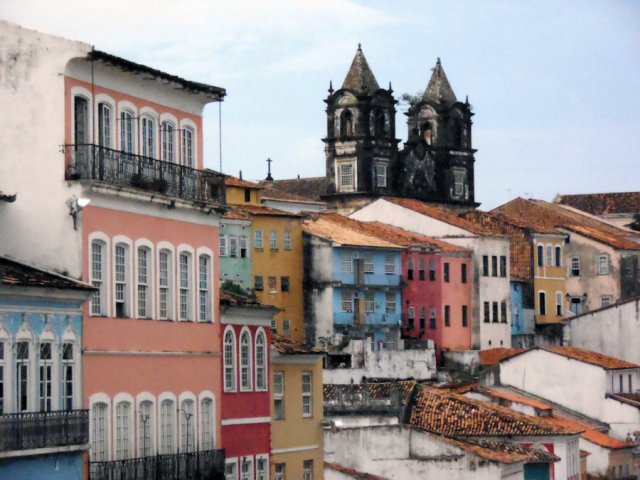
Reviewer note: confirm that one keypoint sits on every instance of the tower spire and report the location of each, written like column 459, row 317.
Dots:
column 439, row 90
column 360, row 78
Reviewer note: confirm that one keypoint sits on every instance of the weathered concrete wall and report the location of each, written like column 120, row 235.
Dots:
column 613, row 331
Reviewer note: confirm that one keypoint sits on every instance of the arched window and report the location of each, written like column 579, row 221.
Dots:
column 98, row 276
column 427, row 133
column 46, row 376
column 229, row 361
column 145, row 428
column 540, row 255
column 165, row 283
column 204, row 288
column 458, row 134
column 206, row 424
column 261, row 362
column 379, row 122
column 104, row 124
column 68, row 375
column 99, row 432
column 148, row 136
column 542, row 298
column 167, row 426
column 245, row 361
column 127, row 131
column 187, row 426
column 168, row 141
column 123, row 432
column 22, row 376
column 188, row 158
column 558, row 251
column 80, row 120
column 346, row 123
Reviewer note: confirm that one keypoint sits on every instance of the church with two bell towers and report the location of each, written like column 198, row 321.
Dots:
column 363, row 158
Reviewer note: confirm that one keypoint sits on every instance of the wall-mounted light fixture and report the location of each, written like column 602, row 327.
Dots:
column 76, row 205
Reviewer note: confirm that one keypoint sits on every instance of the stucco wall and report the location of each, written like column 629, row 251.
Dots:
column 613, row 331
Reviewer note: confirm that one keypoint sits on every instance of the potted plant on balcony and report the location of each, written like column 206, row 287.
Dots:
column 138, row 181
column 159, row 185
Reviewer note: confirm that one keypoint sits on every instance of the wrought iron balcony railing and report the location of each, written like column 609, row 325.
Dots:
column 31, row 430
column 204, row 465
column 93, row 162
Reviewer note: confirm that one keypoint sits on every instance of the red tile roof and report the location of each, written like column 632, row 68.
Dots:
column 344, row 231
column 286, row 345
column 230, row 181
column 17, row 274
column 311, row 187
column 270, row 192
column 602, row 203
column 262, row 210
column 236, row 215
column 452, row 415
column 587, row 356
column 503, row 452
column 493, row 356
column 439, row 214
column 351, row 472
column 513, row 397
column 553, row 215
column 409, row 239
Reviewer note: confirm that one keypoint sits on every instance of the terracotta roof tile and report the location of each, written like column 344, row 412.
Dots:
column 503, row 452
column 409, row 239
column 236, row 215
column 493, row 356
column 556, row 216
column 344, row 231
column 311, row 187
column 286, row 345
column 602, row 203
column 587, row 356
column 453, row 415
column 262, row 210
column 376, row 390
column 513, row 397
column 272, row 193
column 439, row 214
column 230, row 181
column 18, row 274
column 351, row 472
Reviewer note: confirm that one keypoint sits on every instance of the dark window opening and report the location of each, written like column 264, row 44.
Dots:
column 485, row 265
column 346, row 123
column 447, row 316
column 465, row 312
column 463, row 272
column 503, row 266
column 495, row 312
column 284, row 284
column 487, row 312
column 494, row 266
column 247, row 194
column 446, row 272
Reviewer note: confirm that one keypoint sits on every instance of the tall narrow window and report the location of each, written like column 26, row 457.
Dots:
column 559, row 303
column 603, row 264
column 245, row 361
column 258, row 283
column 246, row 468
column 390, row 302
column 261, row 362
column 22, row 376
column 80, row 123
column 503, row 266
column 148, row 137
column 347, row 300
column 46, row 372
column 231, row 470
column 410, row 269
column 144, row 301
column 278, row 395
column 421, row 269
column 233, row 246
column 247, row 195
column 223, row 245
column 485, row 265
column 346, row 262
column 549, row 250
column 540, row 255
column 503, row 311
column 494, row 266
column 167, row 426
column 229, row 361
column 273, row 240
column 465, row 315
column 187, row 426
column 121, row 280
column 2, row 372
column 206, row 424
column 423, row 318
column 369, row 301
column 104, row 125
column 204, row 283
column 463, row 272
column 575, row 266
column 307, row 470
column 145, row 423
column 258, row 239
column 446, row 272
column 68, row 375
column 187, row 147
column 272, row 284
column 558, row 256
column 242, row 242
column 542, row 303
column 123, row 416
column 262, row 468
column 447, row 315
column 168, row 142
column 432, row 318
column 494, row 308
column 287, row 240
column 432, row 270
column 286, row 327
column 487, row 312
column 99, row 432
column 284, row 283
column 368, row 262
column 307, row 397
column 345, row 177
column 126, row 131
column 185, row 286
column 165, row 282
column 281, row 471
column 381, row 175
column 411, row 316
column 346, row 123
column 97, row 278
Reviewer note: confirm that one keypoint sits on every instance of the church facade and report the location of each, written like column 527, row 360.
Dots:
column 363, row 158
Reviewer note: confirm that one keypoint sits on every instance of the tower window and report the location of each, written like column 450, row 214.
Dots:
column 379, row 122
column 458, row 134
column 427, row 133
column 381, row 175
column 346, row 123
column 345, row 177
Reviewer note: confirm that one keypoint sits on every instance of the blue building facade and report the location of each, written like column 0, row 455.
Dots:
column 43, row 429
column 367, row 294
column 235, row 252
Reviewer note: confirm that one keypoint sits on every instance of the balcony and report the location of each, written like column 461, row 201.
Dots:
column 33, row 430
column 204, row 465
column 121, row 169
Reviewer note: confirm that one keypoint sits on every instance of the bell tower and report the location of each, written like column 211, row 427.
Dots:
column 360, row 146
column 437, row 161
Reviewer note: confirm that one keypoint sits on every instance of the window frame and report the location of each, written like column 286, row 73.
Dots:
column 307, row 394
column 542, row 303
column 390, row 302
column 122, row 279
column 278, row 395
column 603, row 264
column 168, row 141
column 145, row 309
column 165, row 284
column 258, row 239
column 273, row 239
column 261, row 360
column 245, row 360
column 346, row 180
column 230, row 380
column 286, row 240
column 205, row 307
column 381, row 175
column 103, row 281
column 185, row 286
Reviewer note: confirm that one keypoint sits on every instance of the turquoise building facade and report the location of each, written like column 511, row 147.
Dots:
column 235, row 251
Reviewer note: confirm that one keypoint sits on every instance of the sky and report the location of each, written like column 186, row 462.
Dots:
column 553, row 85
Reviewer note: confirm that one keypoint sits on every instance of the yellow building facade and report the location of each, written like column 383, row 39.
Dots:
column 296, row 411
column 549, row 278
